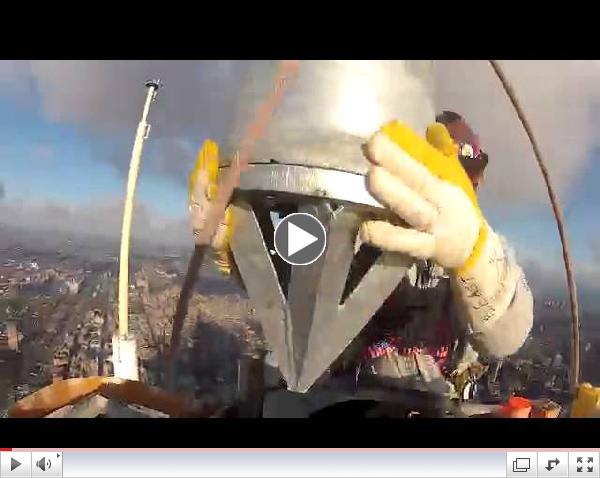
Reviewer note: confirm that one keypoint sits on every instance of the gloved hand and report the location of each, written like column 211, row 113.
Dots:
column 202, row 189
column 429, row 189
column 423, row 182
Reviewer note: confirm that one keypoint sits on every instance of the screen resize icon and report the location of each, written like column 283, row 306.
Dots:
column 521, row 465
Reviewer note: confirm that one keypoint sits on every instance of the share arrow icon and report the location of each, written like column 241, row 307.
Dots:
column 552, row 464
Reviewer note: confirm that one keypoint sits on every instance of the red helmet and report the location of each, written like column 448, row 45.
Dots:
column 472, row 157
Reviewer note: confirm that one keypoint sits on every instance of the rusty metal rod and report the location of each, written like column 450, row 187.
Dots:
column 287, row 69
column 185, row 294
column 554, row 201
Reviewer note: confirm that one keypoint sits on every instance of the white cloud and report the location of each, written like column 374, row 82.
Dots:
column 548, row 281
column 595, row 246
column 106, row 96
column 97, row 219
column 560, row 98
column 15, row 78
column 104, row 99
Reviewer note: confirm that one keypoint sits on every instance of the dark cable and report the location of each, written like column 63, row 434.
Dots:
column 575, row 354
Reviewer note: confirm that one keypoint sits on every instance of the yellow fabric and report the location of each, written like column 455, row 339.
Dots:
column 207, row 162
column 587, row 402
column 223, row 256
column 223, row 262
column 437, row 135
column 439, row 155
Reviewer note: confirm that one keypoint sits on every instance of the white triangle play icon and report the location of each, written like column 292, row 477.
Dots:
column 298, row 239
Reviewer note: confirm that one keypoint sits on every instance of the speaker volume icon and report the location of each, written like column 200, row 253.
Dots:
column 44, row 464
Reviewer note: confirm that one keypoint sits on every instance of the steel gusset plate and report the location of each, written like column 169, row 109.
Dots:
column 312, row 323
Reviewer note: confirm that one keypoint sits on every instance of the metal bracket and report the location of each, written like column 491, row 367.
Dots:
column 309, row 327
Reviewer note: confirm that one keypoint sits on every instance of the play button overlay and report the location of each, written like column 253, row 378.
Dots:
column 300, row 239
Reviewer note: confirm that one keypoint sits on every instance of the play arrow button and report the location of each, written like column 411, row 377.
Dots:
column 16, row 464
column 300, row 239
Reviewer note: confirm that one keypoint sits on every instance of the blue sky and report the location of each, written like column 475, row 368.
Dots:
column 43, row 160
column 56, row 147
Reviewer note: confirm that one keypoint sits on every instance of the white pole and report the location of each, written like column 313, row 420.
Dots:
column 124, row 347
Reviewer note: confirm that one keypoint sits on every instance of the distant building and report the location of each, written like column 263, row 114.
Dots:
column 94, row 344
column 72, row 286
column 98, row 320
column 60, row 367
column 555, row 304
column 558, row 361
column 9, row 337
column 164, row 274
column 7, row 291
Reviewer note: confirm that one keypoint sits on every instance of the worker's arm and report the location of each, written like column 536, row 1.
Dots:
column 495, row 300
column 423, row 182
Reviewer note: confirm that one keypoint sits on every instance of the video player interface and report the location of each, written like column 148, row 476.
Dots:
column 298, row 463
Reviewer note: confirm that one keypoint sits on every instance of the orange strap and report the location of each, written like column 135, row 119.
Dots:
column 67, row 392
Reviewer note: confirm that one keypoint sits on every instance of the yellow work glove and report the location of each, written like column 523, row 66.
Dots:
column 424, row 183
column 202, row 189
column 429, row 189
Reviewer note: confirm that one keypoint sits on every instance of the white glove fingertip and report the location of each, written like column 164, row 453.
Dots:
column 406, row 203
column 378, row 148
column 399, row 163
column 398, row 239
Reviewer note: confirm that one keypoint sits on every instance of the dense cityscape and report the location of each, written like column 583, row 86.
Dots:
column 57, row 311
column 57, row 315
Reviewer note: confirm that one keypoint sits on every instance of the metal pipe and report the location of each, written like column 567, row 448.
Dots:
column 287, row 70
column 558, row 215
column 134, row 166
column 181, row 310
